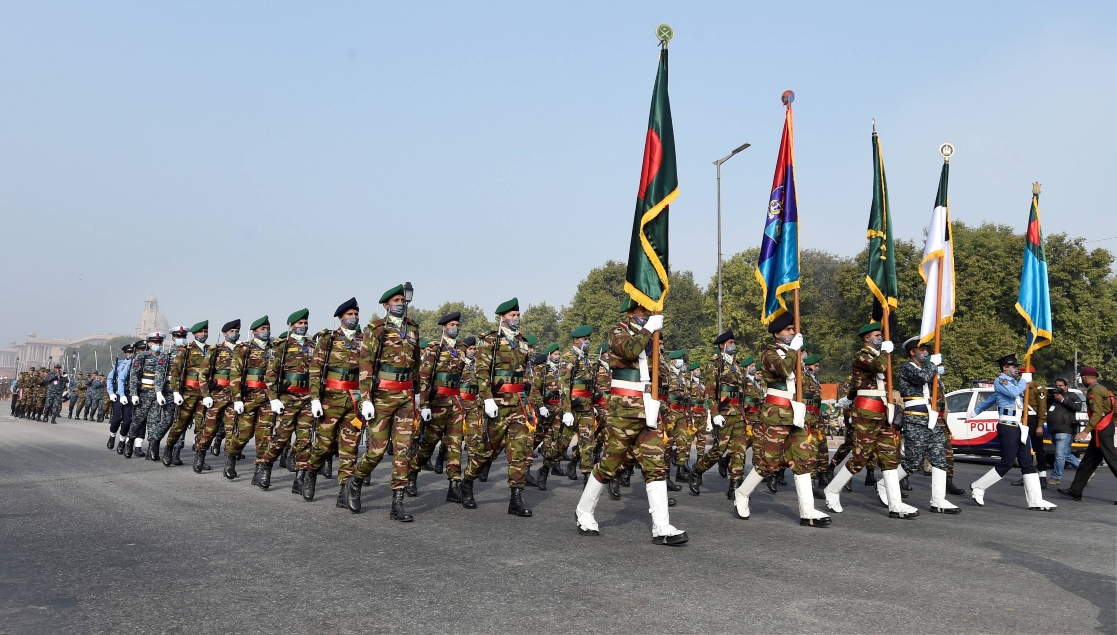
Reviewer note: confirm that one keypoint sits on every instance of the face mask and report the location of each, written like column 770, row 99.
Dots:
column 452, row 333
column 350, row 323
column 555, row 359
column 751, row 370
column 156, row 348
column 730, row 350
column 875, row 341
column 232, row 336
column 201, row 339
column 1014, row 373
column 299, row 330
column 922, row 357
column 180, row 341
column 679, row 363
column 639, row 321
column 470, row 355
column 585, row 346
column 785, row 340
column 263, row 334
column 513, row 324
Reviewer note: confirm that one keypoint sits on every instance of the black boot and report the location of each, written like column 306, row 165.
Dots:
column 53, row 419
column 368, row 479
column 398, row 512
column 352, row 489
column 176, row 457
column 952, row 489
column 529, row 480
column 199, row 460
column 454, row 494
column 340, row 502
column 484, row 476
column 168, row 456
column 307, row 485
column 516, row 504
column 129, row 447
column 682, row 472
column 723, row 466
column 283, row 457
column 734, row 483
column 215, row 447
column 825, row 476
column 153, row 452
column 695, row 482
column 541, row 480
column 1018, row 482
column 391, row 449
column 265, row 476
column 140, row 451
column 572, row 473
column 625, row 477
column 779, row 477
column 771, row 483
column 614, row 488
column 672, row 486
column 467, row 494
column 440, row 460
column 328, row 469
column 870, row 477
column 557, row 470
column 296, row 485
column 120, row 445
column 255, row 474
column 905, row 485
column 112, row 442
column 230, row 466
column 412, row 487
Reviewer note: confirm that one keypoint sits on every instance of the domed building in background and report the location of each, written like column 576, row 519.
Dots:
column 152, row 319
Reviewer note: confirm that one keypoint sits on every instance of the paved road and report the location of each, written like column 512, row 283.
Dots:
column 92, row 543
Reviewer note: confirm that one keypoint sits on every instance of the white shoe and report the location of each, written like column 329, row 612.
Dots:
column 744, row 491
column 882, row 493
column 833, row 490
column 808, row 515
column 1034, row 495
column 978, row 487
column 939, row 504
column 896, row 508
column 587, row 524
column 662, row 531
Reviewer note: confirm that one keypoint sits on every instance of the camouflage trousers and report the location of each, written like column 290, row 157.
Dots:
column 789, row 446
column 295, row 419
column 472, row 436
column 146, row 415
column 94, row 405
column 624, row 436
column 560, row 441
column 845, row 448
column 396, row 418
column 221, row 414
column 156, row 432
column 54, row 403
column 508, row 429
column 255, row 421
column 586, row 424
column 337, row 407
column 732, row 438
column 921, row 441
column 546, row 428
column 184, row 414
column 683, row 437
column 822, row 451
column 446, row 425
column 874, row 438
column 78, row 402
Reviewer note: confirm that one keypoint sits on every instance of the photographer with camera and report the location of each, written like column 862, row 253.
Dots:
column 1062, row 424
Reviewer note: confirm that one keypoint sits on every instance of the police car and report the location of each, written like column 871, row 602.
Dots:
column 979, row 435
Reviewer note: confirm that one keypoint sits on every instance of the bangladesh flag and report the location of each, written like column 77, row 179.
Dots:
column 646, row 278
column 1034, row 300
column 881, row 276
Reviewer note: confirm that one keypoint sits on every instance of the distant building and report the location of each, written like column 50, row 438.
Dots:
column 152, row 319
column 37, row 351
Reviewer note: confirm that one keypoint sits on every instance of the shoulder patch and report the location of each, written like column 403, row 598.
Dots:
column 1004, row 382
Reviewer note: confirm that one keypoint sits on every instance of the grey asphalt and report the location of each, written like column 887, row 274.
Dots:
column 93, row 543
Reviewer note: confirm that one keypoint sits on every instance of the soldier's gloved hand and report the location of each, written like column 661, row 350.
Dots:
column 160, row 399
column 843, row 403
column 178, row 399
column 719, row 421
column 490, row 408
column 654, row 323
column 368, row 411
column 796, row 342
column 112, row 396
column 425, row 413
column 239, row 407
column 567, row 419
column 135, row 400
column 543, row 412
column 709, row 427
column 316, row 408
column 941, row 370
column 971, row 413
column 207, row 402
column 887, row 346
column 276, row 406
column 1026, row 378
column 936, row 359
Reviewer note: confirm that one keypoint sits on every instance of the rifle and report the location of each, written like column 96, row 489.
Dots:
column 182, row 372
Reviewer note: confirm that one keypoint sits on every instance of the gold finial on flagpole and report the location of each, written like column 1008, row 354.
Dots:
column 1035, row 188
column 947, row 151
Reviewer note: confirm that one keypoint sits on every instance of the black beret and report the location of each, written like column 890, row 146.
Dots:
column 450, row 317
column 724, row 337
column 781, row 322
column 235, row 324
column 540, row 359
column 470, row 341
column 351, row 303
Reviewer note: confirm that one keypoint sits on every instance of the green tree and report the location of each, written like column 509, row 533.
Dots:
column 684, row 315
column 97, row 357
column 473, row 319
column 543, row 320
column 597, row 301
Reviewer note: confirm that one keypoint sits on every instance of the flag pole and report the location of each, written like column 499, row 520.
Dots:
column 887, row 338
column 798, row 354
column 655, row 364
column 938, row 328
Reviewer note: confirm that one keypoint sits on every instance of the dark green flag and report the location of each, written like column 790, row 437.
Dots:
column 881, row 277
column 646, row 278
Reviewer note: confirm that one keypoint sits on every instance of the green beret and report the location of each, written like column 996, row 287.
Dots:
column 200, row 326
column 301, row 314
column 261, row 322
column 825, row 408
column 602, row 347
column 628, row 304
column 283, row 335
column 813, row 358
column 679, row 354
column 423, row 342
column 530, row 339
column 869, row 328
column 552, row 348
column 396, row 290
column 746, row 361
column 582, row 331
column 694, row 365
column 509, row 305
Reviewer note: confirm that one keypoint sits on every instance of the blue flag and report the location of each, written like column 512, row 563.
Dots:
column 1034, row 300
column 778, row 266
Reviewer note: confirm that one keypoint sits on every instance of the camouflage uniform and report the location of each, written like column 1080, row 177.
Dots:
column 247, row 386
column 149, row 373
column 873, row 434
column 334, row 381
column 167, row 413
column 77, row 397
column 698, row 414
column 547, row 391
column 602, row 379
column 723, row 379
column 55, row 388
column 783, row 442
column 288, row 380
column 919, row 440
column 216, row 383
column 500, row 370
column 471, row 421
column 186, row 378
column 812, row 396
column 577, row 398
column 440, row 379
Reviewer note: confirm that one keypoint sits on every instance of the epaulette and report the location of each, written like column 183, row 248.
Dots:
column 323, row 332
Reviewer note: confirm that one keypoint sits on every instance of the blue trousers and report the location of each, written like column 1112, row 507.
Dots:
column 1012, row 450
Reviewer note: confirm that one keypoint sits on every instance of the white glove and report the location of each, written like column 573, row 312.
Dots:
column 936, row 359
column 796, row 342
column 887, row 346
column 941, row 370
column 709, row 422
column 160, row 399
column 178, row 399
column 239, row 407
column 843, row 403
column 425, row 413
column 971, row 413
column 654, row 323
column 543, row 412
column 207, row 402
column 112, row 396
column 719, row 421
column 490, row 408
column 316, row 408
column 567, row 419
column 135, row 400
column 1026, row 378
column 368, row 411
column 276, row 406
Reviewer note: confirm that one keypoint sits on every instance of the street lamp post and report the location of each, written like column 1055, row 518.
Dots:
column 718, row 165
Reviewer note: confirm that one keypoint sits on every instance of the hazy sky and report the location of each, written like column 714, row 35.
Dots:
column 242, row 158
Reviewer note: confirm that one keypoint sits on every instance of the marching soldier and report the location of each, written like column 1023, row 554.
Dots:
column 249, row 394
column 633, row 422
column 812, row 397
column 786, row 436
column 186, row 380
column 55, row 387
column 117, row 387
column 149, row 373
column 574, row 412
column 287, row 385
column 389, row 368
column 217, row 396
column 547, row 400
column 167, row 412
column 440, row 379
column 95, row 397
column 334, row 383
column 1012, row 434
column 723, row 379
column 1100, row 406
column 693, row 429
column 77, row 395
column 501, row 363
column 1037, row 401
column 471, row 422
